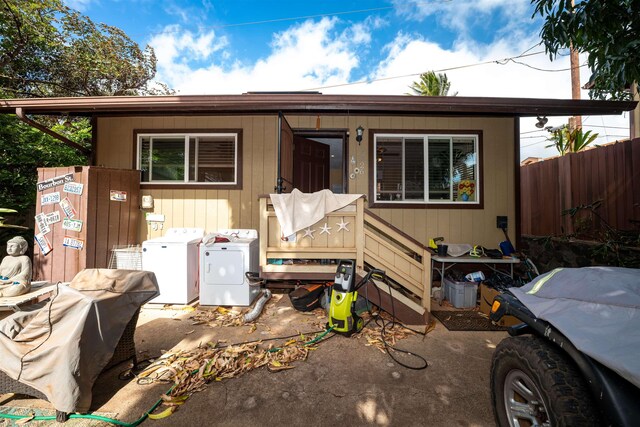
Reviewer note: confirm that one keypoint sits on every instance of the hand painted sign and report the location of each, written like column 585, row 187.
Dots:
column 53, row 217
column 50, row 199
column 73, row 243
column 41, row 222
column 54, row 182
column 118, row 196
column 72, row 224
column 68, row 208
column 73, row 188
column 43, row 243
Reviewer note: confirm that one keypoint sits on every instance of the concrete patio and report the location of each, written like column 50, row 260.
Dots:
column 342, row 382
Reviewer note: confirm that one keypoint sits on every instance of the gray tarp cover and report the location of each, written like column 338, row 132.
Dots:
column 61, row 348
column 596, row 308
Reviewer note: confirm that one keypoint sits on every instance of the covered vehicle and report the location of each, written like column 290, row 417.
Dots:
column 574, row 358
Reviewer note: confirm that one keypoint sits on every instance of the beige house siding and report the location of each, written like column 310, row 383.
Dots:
column 214, row 209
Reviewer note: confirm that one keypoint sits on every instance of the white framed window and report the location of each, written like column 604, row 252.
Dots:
column 430, row 168
column 188, row 158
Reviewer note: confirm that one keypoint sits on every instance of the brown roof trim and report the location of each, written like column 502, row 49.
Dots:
column 314, row 103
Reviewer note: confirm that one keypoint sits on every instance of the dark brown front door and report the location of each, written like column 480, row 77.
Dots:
column 311, row 163
column 285, row 162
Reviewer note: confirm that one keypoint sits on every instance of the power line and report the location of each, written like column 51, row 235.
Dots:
column 541, row 69
column 583, row 125
column 417, row 74
column 609, row 127
column 295, row 18
column 546, row 140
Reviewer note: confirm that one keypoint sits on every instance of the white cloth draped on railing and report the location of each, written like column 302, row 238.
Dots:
column 297, row 210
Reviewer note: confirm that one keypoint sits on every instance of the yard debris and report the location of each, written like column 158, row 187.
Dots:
column 372, row 332
column 191, row 370
column 219, row 317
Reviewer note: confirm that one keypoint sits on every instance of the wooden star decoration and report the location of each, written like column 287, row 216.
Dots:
column 342, row 225
column 325, row 229
column 309, row 233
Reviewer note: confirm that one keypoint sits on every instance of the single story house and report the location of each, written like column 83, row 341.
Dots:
column 428, row 166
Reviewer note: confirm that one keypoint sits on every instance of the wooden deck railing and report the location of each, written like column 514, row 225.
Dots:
column 369, row 240
column 306, row 257
column 406, row 261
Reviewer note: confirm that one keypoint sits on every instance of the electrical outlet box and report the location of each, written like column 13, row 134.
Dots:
column 502, row 222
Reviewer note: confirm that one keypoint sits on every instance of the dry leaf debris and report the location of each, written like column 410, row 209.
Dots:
column 218, row 317
column 372, row 332
column 190, row 370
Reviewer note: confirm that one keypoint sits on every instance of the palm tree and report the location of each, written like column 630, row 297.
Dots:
column 432, row 84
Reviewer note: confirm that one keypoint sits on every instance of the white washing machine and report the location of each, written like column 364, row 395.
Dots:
column 223, row 266
column 174, row 259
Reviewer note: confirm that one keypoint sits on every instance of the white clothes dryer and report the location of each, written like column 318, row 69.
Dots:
column 223, row 265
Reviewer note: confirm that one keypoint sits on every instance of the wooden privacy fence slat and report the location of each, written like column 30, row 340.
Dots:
column 610, row 173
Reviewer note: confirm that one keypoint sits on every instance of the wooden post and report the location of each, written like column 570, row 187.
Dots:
column 264, row 231
column 359, row 236
column 575, row 122
column 426, row 279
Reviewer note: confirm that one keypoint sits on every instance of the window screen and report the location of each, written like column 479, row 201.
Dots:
column 445, row 165
column 206, row 158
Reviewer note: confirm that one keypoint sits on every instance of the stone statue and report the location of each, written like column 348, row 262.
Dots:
column 15, row 269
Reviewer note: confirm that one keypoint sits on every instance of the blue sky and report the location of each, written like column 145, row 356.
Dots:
column 235, row 46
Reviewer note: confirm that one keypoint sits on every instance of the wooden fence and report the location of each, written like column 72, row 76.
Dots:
column 610, row 173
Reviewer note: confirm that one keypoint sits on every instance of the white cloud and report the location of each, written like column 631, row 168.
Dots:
column 308, row 54
column 463, row 15
column 175, row 44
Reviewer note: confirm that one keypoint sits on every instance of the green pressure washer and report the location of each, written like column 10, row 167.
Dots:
column 342, row 313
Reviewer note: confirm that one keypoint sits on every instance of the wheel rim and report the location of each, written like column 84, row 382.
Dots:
column 523, row 401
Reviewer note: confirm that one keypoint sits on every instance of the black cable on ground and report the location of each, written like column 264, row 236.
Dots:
column 383, row 324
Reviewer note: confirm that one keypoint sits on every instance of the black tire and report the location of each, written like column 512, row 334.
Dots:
column 525, row 369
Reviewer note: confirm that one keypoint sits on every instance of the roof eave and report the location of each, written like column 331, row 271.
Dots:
column 314, row 103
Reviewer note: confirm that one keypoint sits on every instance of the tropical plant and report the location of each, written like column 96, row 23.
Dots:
column 607, row 31
column 571, row 141
column 432, row 84
column 24, row 149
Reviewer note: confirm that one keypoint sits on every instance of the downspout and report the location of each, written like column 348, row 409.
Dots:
column 22, row 116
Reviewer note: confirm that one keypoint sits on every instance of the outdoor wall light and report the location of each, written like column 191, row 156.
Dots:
column 541, row 122
column 359, row 133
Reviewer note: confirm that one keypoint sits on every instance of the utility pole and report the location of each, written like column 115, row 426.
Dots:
column 575, row 122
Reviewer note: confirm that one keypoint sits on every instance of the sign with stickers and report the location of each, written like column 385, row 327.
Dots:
column 41, row 222
column 72, row 224
column 52, row 217
column 43, row 243
column 73, row 243
column 68, row 208
column 73, row 188
column 118, row 196
column 54, row 182
column 50, row 199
